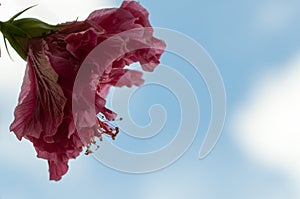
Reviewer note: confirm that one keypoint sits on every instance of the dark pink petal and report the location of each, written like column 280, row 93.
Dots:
column 140, row 13
column 24, row 121
column 103, row 89
column 80, row 44
column 127, row 78
column 112, row 21
column 100, row 108
column 43, row 91
column 57, row 170
column 65, row 147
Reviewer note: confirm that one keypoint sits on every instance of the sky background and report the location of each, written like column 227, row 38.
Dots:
column 256, row 47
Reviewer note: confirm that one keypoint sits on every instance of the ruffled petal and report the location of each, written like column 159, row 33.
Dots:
column 127, row 78
column 57, row 170
column 139, row 12
column 24, row 122
column 80, row 44
column 41, row 100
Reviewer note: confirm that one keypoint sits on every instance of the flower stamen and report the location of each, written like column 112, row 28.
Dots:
column 104, row 128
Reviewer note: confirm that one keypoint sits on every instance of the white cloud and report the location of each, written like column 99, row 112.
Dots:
column 275, row 16
column 267, row 124
column 172, row 186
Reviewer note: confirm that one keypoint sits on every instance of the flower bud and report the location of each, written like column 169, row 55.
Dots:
column 19, row 32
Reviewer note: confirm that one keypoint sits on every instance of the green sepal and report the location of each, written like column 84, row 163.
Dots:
column 34, row 27
column 19, row 32
column 21, row 12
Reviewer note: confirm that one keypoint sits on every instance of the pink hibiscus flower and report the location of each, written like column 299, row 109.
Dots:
column 45, row 111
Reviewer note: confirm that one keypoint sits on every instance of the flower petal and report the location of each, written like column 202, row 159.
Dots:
column 24, row 122
column 57, row 170
column 127, row 78
column 140, row 13
column 41, row 96
column 80, row 44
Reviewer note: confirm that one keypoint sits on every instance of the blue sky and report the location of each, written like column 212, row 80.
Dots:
column 256, row 47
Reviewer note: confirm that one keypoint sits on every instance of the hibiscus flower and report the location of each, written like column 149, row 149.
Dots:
column 55, row 54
